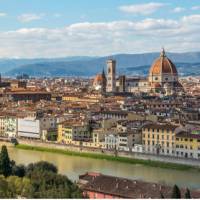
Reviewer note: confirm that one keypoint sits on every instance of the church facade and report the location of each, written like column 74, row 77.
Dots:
column 162, row 79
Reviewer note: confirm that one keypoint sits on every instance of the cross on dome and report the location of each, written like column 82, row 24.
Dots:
column 163, row 52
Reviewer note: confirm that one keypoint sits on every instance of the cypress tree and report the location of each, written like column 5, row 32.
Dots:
column 187, row 194
column 5, row 163
column 176, row 193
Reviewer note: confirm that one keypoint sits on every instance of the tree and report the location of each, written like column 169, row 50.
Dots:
column 18, row 170
column 5, row 163
column 47, row 184
column 187, row 194
column 5, row 191
column 52, row 136
column 176, row 193
column 40, row 166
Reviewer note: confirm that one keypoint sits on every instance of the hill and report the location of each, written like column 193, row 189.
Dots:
column 135, row 64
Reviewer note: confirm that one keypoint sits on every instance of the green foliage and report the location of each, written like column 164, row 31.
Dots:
column 5, row 190
column 20, row 186
column 187, row 194
column 52, row 136
column 37, row 180
column 176, row 193
column 40, row 166
column 5, row 163
column 48, row 184
column 18, row 170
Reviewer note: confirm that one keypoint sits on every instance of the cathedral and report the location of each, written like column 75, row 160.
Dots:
column 162, row 79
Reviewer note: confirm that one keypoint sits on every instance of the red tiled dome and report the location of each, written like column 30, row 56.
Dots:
column 98, row 79
column 163, row 65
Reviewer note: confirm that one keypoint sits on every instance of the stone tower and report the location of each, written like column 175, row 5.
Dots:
column 111, row 76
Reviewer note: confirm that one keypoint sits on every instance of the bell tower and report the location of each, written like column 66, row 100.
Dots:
column 111, row 76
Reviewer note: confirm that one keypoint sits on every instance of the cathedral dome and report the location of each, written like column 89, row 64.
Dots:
column 98, row 79
column 163, row 65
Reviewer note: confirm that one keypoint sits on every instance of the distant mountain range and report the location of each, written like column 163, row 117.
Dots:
column 129, row 64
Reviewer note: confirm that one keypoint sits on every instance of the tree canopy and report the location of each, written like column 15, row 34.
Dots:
column 37, row 180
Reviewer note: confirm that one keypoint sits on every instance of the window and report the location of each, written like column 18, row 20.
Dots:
column 167, row 137
column 167, row 144
column 168, row 151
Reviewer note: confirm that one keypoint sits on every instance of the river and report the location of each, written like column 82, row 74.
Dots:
column 74, row 166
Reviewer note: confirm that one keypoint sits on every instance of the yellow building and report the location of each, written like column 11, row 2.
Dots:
column 76, row 133
column 159, row 139
column 81, row 99
column 188, row 145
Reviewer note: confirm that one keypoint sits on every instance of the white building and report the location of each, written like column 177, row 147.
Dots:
column 33, row 127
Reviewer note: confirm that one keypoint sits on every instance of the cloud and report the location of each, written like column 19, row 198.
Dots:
column 178, row 9
column 103, row 38
column 28, row 17
column 195, row 8
column 141, row 9
column 2, row 14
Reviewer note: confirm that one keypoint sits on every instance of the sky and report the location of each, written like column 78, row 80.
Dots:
column 61, row 28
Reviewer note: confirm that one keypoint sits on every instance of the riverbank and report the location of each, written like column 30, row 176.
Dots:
column 109, row 157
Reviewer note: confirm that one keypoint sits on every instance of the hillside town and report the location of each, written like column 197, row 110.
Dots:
column 157, row 115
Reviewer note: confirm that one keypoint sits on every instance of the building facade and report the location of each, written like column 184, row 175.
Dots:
column 159, row 139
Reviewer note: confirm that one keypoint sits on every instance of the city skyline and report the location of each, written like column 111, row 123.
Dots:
column 51, row 29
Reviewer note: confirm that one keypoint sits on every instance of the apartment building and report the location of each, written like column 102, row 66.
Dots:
column 188, row 144
column 74, row 132
column 159, row 139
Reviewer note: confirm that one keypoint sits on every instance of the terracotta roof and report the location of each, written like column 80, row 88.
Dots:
column 185, row 134
column 161, row 126
column 126, row 188
column 163, row 65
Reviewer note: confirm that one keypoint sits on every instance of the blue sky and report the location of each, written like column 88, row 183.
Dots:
column 57, row 28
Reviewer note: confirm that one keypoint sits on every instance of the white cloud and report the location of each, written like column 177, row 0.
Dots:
column 195, row 8
column 28, row 17
column 142, row 9
column 178, row 9
column 2, row 14
column 103, row 38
